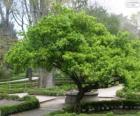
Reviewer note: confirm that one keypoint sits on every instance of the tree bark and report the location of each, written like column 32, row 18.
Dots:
column 79, row 81
column 46, row 78
column 79, row 97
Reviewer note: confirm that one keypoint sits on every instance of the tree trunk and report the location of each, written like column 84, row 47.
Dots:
column 46, row 78
column 50, row 81
column 29, row 74
column 80, row 95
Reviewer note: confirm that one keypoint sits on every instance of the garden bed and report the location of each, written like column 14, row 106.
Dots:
column 114, row 113
column 14, row 104
column 88, row 97
column 101, row 106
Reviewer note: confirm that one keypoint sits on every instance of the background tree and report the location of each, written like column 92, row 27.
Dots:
column 7, row 27
column 111, row 21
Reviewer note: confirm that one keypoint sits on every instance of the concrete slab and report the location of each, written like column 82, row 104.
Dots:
column 44, row 98
column 109, row 92
column 20, row 94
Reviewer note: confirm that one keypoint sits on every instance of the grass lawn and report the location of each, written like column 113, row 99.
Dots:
column 116, row 113
column 32, row 88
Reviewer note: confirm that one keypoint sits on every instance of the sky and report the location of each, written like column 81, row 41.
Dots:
column 125, row 7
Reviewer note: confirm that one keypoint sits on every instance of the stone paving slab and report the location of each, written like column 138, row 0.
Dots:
column 109, row 92
column 20, row 94
column 45, row 98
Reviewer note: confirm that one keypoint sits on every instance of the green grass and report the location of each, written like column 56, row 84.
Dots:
column 16, row 87
column 54, row 91
column 116, row 113
column 32, row 88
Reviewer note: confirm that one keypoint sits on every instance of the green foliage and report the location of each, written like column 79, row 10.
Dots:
column 32, row 88
column 19, row 57
column 8, row 97
column 111, row 21
column 54, row 91
column 128, row 94
column 29, row 102
column 63, row 113
column 74, row 46
column 79, row 46
column 110, row 114
column 98, row 106
column 17, row 87
column 4, row 73
column 25, row 103
column 61, row 78
column 138, row 114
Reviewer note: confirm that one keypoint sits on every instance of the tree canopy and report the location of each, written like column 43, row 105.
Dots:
column 79, row 46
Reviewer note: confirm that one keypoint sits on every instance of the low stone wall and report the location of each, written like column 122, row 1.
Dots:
column 88, row 97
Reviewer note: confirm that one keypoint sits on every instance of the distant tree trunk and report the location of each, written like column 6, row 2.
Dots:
column 46, row 78
column 29, row 74
column 50, row 81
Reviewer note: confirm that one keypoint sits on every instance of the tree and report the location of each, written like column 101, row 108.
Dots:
column 19, row 57
column 82, row 48
column 79, row 4
column 6, row 26
column 27, row 12
column 111, row 21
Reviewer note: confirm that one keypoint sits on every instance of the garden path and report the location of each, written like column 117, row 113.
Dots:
column 109, row 92
column 45, row 108
column 58, row 102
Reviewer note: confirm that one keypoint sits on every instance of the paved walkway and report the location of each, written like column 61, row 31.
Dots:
column 45, row 108
column 109, row 92
column 58, row 102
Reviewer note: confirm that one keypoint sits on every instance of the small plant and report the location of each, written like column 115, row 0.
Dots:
column 4, row 73
column 110, row 114
column 138, row 114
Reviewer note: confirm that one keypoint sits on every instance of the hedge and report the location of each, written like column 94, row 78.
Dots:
column 27, row 103
column 9, row 97
column 98, row 106
column 53, row 91
column 128, row 95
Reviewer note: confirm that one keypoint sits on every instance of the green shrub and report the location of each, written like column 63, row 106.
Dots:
column 98, row 106
column 53, row 91
column 63, row 113
column 110, row 114
column 11, row 97
column 47, row 91
column 27, row 103
column 128, row 95
column 4, row 73
column 138, row 114
column 120, row 93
